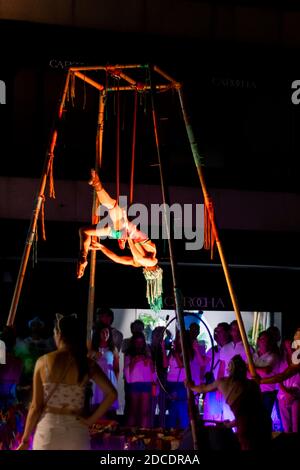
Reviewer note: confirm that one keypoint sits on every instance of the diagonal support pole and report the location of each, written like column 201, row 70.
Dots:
column 198, row 163
column 37, row 208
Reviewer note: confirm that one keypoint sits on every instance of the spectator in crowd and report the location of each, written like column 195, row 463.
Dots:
column 214, row 402
column 290, row 371
column 137, row 326
column 29, row 350
column 105, row 316
column 177, row 395
column 194, row 331
column 10, row 373
column 267, row 362
column 140, row 378
column 105, row 353
column 59, row 385
column 158, row 400
column 227, row 352
column 244, row 397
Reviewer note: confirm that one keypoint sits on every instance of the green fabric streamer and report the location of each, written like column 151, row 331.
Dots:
column 154, row 288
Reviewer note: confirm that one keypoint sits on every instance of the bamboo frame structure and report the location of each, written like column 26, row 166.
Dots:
column 127, row 82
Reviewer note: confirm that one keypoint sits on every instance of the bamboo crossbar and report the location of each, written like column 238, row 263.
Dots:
column 90, row 81
column 166, row 76
column 125, row 88
column 117, row 70
column 107, row 68
column 145, row 88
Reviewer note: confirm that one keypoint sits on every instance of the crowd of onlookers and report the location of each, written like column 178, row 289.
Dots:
column 154, row 376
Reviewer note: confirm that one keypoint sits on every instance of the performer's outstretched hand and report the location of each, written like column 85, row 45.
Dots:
column 95, row 246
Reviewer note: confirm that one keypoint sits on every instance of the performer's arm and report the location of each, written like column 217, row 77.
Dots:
column 128, row 260
column 202, row 388
column 142, row 258
column 109, row 391
column 286, row 374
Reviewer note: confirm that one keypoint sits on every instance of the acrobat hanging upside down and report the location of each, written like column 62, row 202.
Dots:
column 143, row 250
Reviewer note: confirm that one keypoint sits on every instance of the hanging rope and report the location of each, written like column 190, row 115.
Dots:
column 106, row 93
column 133, row 147
column 118, row 145
column 209, row 234
column 84, row 94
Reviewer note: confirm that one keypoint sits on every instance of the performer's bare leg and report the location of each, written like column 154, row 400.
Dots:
column 115, row 211
column 85, row 235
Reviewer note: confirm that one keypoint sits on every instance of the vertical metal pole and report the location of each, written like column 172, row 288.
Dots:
column 197, row 160
column 37, row 207
column 95, row 218
column 177, row 292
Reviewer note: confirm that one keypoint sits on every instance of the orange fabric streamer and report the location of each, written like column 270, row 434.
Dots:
column 51, row 178
column 209, row 233
column 43, row 220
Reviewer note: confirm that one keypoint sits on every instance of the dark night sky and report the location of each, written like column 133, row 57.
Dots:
column 239, row 99
column 238, row 96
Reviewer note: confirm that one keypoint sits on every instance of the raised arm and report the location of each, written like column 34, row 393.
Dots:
column 290, row 371
column 202, row 388
column 128, row 260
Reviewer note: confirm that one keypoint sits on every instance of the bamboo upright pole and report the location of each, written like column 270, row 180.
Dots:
column 35, row 214
column 177, row 292
column 254, row 327
column 197, row 160
column 95, row 219
column 257, row 324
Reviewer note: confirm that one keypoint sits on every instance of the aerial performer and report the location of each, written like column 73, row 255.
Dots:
column 142, row 249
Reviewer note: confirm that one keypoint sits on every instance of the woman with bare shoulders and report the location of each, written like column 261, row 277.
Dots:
column 254, row 426
column 59, row 384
